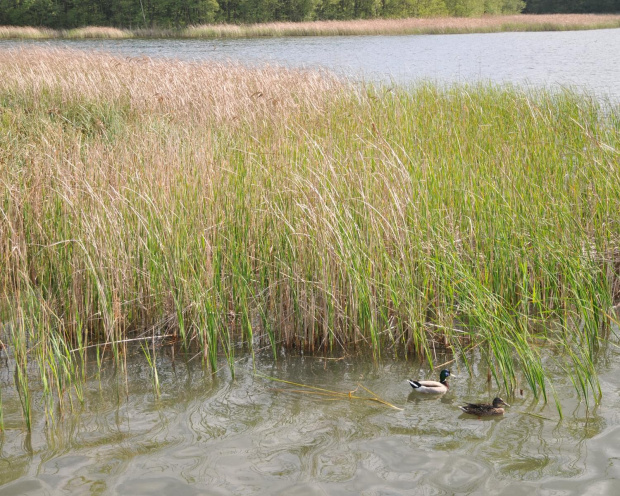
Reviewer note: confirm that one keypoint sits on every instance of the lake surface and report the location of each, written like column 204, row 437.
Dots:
column 215, row 435
column 587, row 60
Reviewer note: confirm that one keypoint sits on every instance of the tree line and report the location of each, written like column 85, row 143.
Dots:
column 66, row 14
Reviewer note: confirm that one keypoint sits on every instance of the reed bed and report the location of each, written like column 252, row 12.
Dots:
column 439, row 25
column 19, row 32
column 218, row 205
column 96, row 32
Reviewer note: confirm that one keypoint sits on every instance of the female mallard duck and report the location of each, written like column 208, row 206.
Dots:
column 485, row 410
column 432, row 386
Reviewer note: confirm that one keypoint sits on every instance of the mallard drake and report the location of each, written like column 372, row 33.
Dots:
column 484, row 409
column 433, row 387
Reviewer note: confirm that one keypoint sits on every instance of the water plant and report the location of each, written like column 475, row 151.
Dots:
column 414, row 25
column 230, row 208
column 151, row 358
column 329, row 394
column 27, row 32
column 436, row 25
column 96, row 32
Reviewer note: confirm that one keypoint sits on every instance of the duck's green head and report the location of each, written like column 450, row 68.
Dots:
column 445, row 373
column 497, row 402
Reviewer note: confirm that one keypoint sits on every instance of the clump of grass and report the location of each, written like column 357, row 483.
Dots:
column 222, row 205
column 26, row 32
column 97, row 32
column 440, row 25
column 213, row 31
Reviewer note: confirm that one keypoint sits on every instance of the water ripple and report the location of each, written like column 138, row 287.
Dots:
column 209, row 434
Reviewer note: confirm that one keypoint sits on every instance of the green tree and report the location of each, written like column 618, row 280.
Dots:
column 27, row 12
column 513, row 6
column 65, row 14
column 503, row 6
column 566, row 6
column 430, row 8
column 465, row 8
column 299, row 10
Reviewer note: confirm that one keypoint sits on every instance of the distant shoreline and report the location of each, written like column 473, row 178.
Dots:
column 442, row 25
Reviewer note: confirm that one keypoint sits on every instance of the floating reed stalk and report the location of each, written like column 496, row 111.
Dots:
column 329, row 394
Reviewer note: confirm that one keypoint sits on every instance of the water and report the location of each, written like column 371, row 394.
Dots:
column 210, row 434
column 586, row 60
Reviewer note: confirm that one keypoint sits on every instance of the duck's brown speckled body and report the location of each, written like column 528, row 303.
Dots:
column 484, row 409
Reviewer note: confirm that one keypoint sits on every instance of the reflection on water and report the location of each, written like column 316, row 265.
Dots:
column 210, row 434
column 587, row 60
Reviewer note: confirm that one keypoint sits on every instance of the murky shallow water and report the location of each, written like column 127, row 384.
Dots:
column 586, row 60
column 211, row 434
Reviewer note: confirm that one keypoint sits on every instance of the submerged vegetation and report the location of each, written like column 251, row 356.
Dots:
column 218, row 205
column 440, row 25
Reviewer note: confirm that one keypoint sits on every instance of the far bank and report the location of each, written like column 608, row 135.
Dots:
column 438, row 25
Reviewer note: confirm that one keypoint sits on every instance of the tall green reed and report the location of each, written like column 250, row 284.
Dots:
column 290, row 209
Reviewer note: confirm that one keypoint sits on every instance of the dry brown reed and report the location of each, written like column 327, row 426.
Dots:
column 97, row 32
column 12, row 32
column 409, row 26
column 180, row 123
column 207, row 92
column 330, row 394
